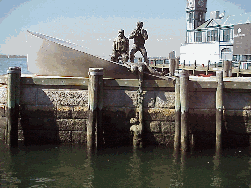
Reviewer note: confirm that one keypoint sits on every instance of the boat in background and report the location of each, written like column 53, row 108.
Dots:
column 50, row 56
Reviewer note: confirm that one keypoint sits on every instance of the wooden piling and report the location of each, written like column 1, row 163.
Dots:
column 219, row 109
column 172, row 67
column 239, row 67
column 177, row 63
column 194, row 67
column 95, row 103
column 184, row 78
column 13, row 98
column 208, row 64
column 177, row 112
column 227, row 67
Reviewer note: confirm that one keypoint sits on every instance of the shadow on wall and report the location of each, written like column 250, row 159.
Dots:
column 202, row 118
column 52, row 116
column 38, row 118
column 237, row 119
column 120, row 107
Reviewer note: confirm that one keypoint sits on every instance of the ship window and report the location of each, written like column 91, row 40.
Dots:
column 226, row 35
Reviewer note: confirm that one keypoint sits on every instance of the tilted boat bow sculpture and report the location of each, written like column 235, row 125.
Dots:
column 51, row 56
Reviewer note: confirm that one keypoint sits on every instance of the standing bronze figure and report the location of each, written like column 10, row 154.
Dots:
column 120, row 48
column 140, row 36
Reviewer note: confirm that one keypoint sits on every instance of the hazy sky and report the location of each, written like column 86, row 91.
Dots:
column 94, row 24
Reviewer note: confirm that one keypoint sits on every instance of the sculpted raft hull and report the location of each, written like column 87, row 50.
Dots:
column 55, row 57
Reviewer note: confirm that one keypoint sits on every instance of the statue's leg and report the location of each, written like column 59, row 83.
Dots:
column 144, row 53
column 133, row 51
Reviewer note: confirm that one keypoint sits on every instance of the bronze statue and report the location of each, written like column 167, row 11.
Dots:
column 140, row 36
column 120, row 48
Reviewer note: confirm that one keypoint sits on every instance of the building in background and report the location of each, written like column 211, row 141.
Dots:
column 211, row 40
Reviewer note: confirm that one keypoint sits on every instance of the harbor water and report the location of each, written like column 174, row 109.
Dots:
column 72, row 166
column 152, row 166
column 5, row 63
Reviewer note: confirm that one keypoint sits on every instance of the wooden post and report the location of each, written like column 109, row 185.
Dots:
column 226, row 68
column 95, row 103
column 172, row 67
column 239, row 67
column 219, row 109
column 13, row 98
column 208, row 64
column 177, row 112
column 230, row 69
column 177, row 63
column 194, row 67
column 184, row 78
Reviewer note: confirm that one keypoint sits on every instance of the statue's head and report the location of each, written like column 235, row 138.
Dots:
column 139, row 24
column 121, row 33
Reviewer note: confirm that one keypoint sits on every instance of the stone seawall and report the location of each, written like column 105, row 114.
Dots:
column 55, row 110
column 121, row 105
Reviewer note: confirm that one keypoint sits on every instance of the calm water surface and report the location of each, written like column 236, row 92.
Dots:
column 71, row 166
column 5, row 63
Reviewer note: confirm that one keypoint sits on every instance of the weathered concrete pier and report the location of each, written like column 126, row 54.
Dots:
column 97, row 111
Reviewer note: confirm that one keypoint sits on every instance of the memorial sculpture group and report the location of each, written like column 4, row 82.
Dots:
column 55, row 57
column 121, row 45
